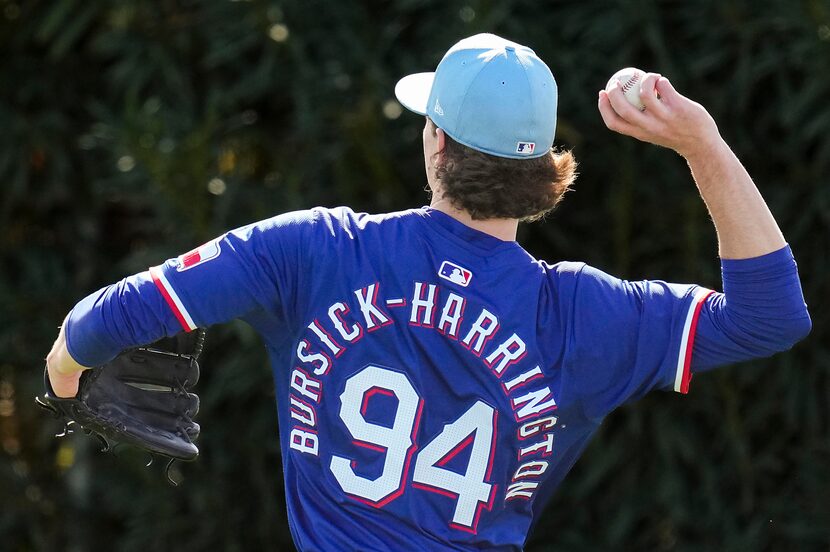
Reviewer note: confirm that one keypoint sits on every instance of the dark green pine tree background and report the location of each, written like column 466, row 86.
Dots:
column 134, row 130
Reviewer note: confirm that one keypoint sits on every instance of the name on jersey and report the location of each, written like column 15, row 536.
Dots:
column 480, row 333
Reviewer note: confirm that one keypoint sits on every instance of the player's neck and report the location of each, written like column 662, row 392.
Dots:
column 503, row 229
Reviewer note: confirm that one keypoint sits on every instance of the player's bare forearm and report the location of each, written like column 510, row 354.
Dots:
column 744, row 224
column 64, row 371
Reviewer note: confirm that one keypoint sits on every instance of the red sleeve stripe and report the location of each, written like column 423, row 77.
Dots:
column 172, row 299
column 684, row 358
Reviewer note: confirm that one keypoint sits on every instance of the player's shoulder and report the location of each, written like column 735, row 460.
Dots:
column 347, row 218
column 584, row 277
column 345, row 224
column 334, row 220
column 577, row 282
column 562, row 273
column 318, row 225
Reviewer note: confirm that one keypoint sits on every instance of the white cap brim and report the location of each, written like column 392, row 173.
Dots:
column 413, row 91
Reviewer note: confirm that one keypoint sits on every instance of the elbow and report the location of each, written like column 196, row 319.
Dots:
column 799, row 329
column 792, row 330
column 767, row 335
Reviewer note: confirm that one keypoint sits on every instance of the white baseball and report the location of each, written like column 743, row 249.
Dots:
column 630, row 79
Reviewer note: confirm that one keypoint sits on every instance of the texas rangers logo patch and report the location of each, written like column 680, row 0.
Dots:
column 200, row 255
column 525, row 148
column 455, row 274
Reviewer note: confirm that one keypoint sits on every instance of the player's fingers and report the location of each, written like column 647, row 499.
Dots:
column 667, row 92
column 650, row 97
column 624, row 109
column 609, row 116
column 612, row 119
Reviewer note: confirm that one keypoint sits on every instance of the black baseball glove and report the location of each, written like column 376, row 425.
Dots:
column 141, row 397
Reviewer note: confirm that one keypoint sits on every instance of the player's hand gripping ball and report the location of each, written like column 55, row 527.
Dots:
column 671, row 120
column 630, row 80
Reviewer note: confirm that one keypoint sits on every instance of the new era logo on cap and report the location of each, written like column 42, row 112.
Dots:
column 438, row 109
column 200, row 255
column 525, row 148
column 455, row 274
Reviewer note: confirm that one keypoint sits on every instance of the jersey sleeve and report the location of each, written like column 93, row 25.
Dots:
column 253, row 271
column 245, row 270
column 630, row 337
column 760, row 312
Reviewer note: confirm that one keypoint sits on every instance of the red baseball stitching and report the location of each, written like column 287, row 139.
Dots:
column 630, row 82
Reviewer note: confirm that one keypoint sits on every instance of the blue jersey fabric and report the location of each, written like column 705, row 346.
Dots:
column 435, row 384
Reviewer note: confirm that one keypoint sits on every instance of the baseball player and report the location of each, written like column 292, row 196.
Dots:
column 434, row 381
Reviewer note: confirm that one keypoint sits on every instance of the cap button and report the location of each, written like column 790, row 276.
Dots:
column 510, row 48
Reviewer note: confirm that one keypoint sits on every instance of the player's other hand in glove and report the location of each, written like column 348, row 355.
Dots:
column 64, row 372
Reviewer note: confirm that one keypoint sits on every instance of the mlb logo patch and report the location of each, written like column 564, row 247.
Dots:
column 200, row 255
column 525, row 148
column 455, row 274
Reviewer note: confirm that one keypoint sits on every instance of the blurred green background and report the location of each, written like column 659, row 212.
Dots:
column 133, row 131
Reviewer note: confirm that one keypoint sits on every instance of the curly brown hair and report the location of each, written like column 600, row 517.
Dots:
column 489, row 187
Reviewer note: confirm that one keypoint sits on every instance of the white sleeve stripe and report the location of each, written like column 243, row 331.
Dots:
column 700, row 295
column 172, row 299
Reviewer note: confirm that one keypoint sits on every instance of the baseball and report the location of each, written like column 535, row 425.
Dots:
column 629, row 79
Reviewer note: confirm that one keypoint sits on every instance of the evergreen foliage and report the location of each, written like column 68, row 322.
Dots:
column 136, row 130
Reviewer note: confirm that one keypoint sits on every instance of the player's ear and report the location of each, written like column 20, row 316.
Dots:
column 442, row 139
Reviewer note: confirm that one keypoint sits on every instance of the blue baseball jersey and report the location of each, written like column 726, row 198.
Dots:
column 434, row 383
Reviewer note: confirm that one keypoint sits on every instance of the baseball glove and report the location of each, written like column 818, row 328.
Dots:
column 142, row 397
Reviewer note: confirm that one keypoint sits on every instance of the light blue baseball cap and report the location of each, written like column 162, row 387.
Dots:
column 490, row 94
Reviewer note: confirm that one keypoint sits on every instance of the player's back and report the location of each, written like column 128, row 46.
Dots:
column 434, row 383
column 420, row 399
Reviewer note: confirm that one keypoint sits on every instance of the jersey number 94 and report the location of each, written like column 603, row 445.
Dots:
column 474, row 429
